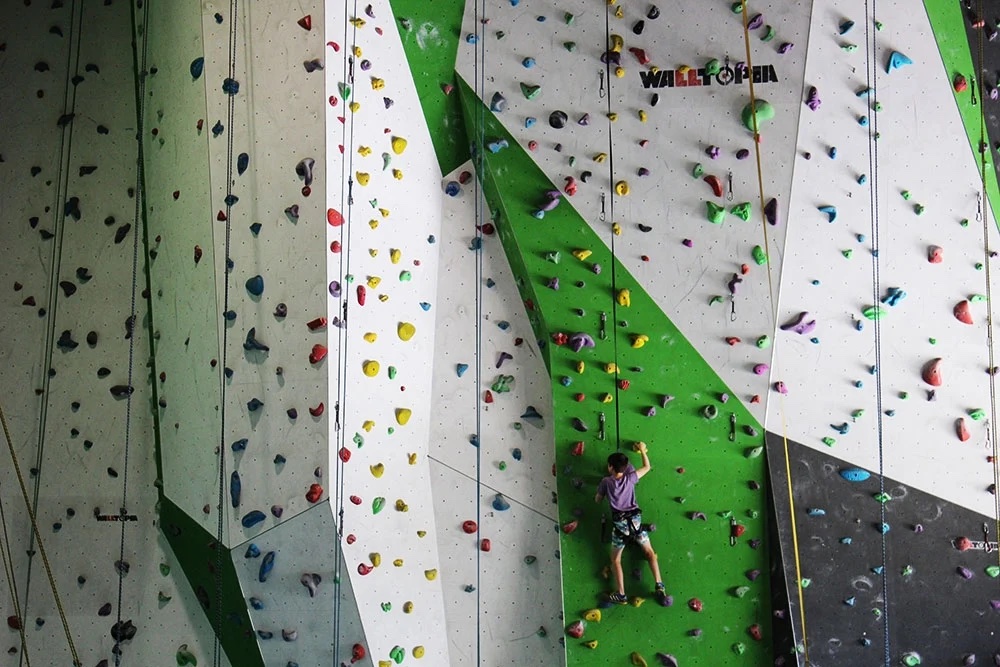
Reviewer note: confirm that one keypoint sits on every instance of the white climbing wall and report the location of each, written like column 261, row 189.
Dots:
column 515, row 458
column 389, row 198
column 78, row 452
column 677, row 132
column 921, row 139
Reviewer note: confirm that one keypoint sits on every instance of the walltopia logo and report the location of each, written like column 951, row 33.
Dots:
column 689, row 77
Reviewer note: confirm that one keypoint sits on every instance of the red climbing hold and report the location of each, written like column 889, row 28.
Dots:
column 962, row 430
column 575, row 629
column 351, row 538
column 221, row 216
column 485, row 545
column 570, row 527
column 960, row 83
column 963, row 544
column 695, row 604
column 715, row 183
column 197, row 254
column 578, row 448
column 932, row 372
column 560, row 338
column 356, row 500
column 357, row 653
column 334, row 46
column 732, row 340
column 314, row 493
column 736, row 530
column 469, row 527
column 640, row 55
column 13, row 622
column 579, row 398
column 744, row 269
column 318, row 410
column 755, row 632
column 318, row 354
column 345, row 456
column 963, row 312
column 624, row 384
column 334, row 217
column 306, row 22
column 364, row 569
column 935, row 254
column 318, row 323
column 488, row 396
column 362, row 293
column 335, row 246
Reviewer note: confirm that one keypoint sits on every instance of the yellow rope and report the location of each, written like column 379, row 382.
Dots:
column 41, row 546
column 8, row 570
column 770, row 289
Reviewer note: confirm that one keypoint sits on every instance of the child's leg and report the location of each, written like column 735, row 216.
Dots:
column 654, row 565
column 616, row 568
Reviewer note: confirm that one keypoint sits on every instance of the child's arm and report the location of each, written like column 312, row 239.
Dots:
column 599, row 497
column 643, row 452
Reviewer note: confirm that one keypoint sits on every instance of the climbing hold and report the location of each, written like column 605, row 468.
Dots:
column 716, row 214
column 855, row 474
column 831, row 212
column 266, row 565
column 812, row 99
column 962, row 312
column 962, row 430
column 799, row 324
column 873, row 312
column 755, row 113
column 931, row 372
column 576, row 629
column 741, row 211
column 715, row 183
column 255, row 285
column 896, row 60
column 558, row 119
column 624, row 297
column 403, row 416
column 759, row 256
column 317, row 354
column 935, row 254
column 197, row 67
column 500, row 503
column 405, row 331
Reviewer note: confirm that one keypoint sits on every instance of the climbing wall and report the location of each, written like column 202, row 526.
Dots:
column 74, row 343
column 383, row 218
column 888, row 242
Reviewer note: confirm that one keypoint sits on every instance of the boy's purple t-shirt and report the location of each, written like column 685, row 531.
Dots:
column 620, row 492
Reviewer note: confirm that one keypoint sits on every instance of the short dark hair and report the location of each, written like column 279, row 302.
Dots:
column 618, row 461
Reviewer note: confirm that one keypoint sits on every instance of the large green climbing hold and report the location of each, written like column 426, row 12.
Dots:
column 828, row 441
column 713, row 67
column 873, row 312
column 763, row 111
column 530, row 91
column 759, row 255
column 397, row 654
column 741, row 211
column 502, row 384
column 716, row 213
column 993, row 571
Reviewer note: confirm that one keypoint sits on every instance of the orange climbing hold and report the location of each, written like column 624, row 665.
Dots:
column 931, row 373
column 962, row 311
column 334, row 217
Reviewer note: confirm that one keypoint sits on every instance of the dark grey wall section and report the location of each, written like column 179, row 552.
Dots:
column 934, row 609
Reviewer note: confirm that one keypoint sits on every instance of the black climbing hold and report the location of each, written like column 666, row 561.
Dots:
column 639, row 26
column 87, row 170
column 121, row 390
column 45, row 234
column 105, row 609
column 35, row 171
column 110, row 220
column 122, row 232
column 281, row 310
column 654, row 99
column 653, row 13
column 65, row 119
column 83, row 274
column 292, row 413
column 242, row 162
column 585, row 176
column 558, row 119
column 102, row 129
column 644, row 228
column 197, row 67
column 103, row 372
column 75, row 406
column 129, row 326
column 91, row 67
column 41, row 66
column 579, row 425
column 112, row 473
column 68, row 288
column 66, row 341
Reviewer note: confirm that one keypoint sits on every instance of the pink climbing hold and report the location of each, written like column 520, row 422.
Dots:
column 781, row 388
column 575, row 629
column 962, row 430
column 760, row 369
column 931, row 372
column 962, row 311
column 362, row 293
column 364, row 569
column 935, row 254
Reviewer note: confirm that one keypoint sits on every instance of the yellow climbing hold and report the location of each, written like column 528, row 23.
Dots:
column 607, row 398
column 358, row 22
column 600, row 158
column 402, row 506
column 394, row 255
column 624, row 297
column 385, row 663
column 373, row 281
column 405, row 330
column 616, row 228
column 617, row 43
column 592, row 643
column 638, row 340
column 620, row 73
column 643, row 117
column 384, row 212
column 683, row 70
column 364, row 151
column 373, row 252
column 580, row 367
column 421, row 533
column 354, row 106
column 368, row 425
column 637, row 660
column 377, row 470
column 412, row 458
column 431, row 574
column 612, row 116
column 373, row 224
column 397, row 174
column 582, row 254
column 398, row 562
column 370, row 337
column 611, row 367
column 407, row 607
column 622, row 188
column 398, row 145
column 377, row 83
column 637, row 602
column 592, row 616
column 403, row 415
column 619, row 12
column 383, row 297
column 370, row 368
column 376, row 559
column 361, row 177
column 357, row 49
column 418, row 652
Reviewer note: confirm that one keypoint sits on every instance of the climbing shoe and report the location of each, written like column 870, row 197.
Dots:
column 617, row 598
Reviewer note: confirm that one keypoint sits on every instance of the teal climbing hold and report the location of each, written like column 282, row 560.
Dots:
column 896, row 60
column 255, row 285
column 460, row 369
column 530, row 91
column 830, row 211
column 500, row 503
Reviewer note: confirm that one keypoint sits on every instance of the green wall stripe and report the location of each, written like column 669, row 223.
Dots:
column 695, row 556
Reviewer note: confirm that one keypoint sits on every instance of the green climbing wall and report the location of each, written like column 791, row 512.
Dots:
column 700, row 479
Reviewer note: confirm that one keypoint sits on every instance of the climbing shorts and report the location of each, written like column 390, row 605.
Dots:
column 627, row 527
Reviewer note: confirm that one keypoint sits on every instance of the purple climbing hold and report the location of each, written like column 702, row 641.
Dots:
column 964, row 572
column 760, row 369
column 785, row 47
column 734, row 283
column 799, row 324
column 578, row 341
column 552, row 198
column 742, row 154
column 812, row 100
column 755, row 22
column 504, row 356
column 712, row 152
column 553, row 284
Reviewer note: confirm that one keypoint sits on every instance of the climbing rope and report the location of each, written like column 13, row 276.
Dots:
column 871, row 81
column 6, row 555
column 770, row 289
column 346, row 208
column 230, row 201
column 983, row 214
column 611, row 212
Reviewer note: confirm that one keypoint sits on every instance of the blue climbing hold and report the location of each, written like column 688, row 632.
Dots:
column 460, row 369
column 516, row 454
column 884, row 528
column 218, row 128
column 431, row 239
column 842, row 429
column 256, row 603
column 230, row 86
column 452, row 188
column 474, row 440
column 253, row 551
column 490, row 282
column 504, row 325
column 500, row 503
column 252, row 518
column 855, row 474
column 255, row 285
column 425, row 306
column 831, row 212
column 255, row 228
column 816, row 511
column 893, row 296
column 235, row 488
column 528, row 62
column 896, row 60
column 230, row 315
column 846, row 540
column 242, row 162
column 266, row 566
column 254, row 404
column 197, row 67
column 529, row 121
column 240, row 445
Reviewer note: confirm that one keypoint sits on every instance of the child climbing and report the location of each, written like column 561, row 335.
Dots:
column 619, row 488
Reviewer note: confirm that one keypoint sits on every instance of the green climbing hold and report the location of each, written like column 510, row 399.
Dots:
column 740, row 591
column 392, row 372
column 739, row 648
column 568, row 18
column 742, row 211
column 753, row 514
column 378, row 505
column 873, row 312
column 753, row 452
column 993, row 571
column 530, row 91
column 164, row 569
column 882, row 497
column 904, row 395
column 768, row 34
column 763, row 342
column 716, row 213
column 737, row 7
column 977, row 298
column 977, row 414
column 763, row 111
column 502, row 465
column 805, row 582
column 919, row 209
column 397, row 653
column 964, row 222
column 858, row 414
column 404, row 276
column 879, row 25
column 570, row 46
column 553, row 257
column 528, row 560
column 907, row 571
column 345, row 90
column 715, row 299
column 828, row 441
column 713, row 67
column 502, row 384
column 759, row 256
column 911, row 659
column 359, row 440
column 979, row 266
column 905, row 194
column 698, row 170
column 847, row 253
